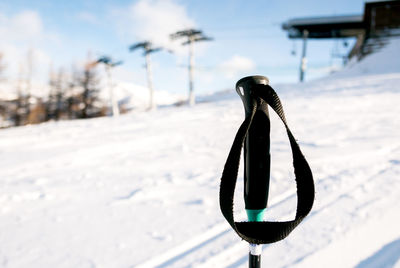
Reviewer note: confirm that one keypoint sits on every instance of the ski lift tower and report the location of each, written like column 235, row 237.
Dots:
column 192, row 36
column 322, row 27
column 148, row 49
column 109, row 63
column 380, row 21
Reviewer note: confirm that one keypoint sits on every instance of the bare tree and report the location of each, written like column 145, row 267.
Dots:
column 50, row 98
column 2, row 66
column 71, row 97
column 19, row 111
column 28, row 81
column 3, row 105
column 60, row 88
column 90, row 90
column 74, row 95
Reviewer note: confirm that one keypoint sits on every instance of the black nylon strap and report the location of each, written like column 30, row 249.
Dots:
column 265, row 232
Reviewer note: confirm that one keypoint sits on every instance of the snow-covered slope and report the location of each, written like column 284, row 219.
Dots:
column 141, row 190
column 382, row 62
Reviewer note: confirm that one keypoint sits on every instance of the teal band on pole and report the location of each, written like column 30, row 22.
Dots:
column 255, row 214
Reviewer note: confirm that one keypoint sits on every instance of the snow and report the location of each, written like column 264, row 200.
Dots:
column 141, row 190
column 381, row 62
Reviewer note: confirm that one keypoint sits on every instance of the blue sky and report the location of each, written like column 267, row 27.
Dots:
column 248, row 38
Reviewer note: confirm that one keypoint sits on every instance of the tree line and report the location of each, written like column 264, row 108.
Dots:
column 71, row 95
column 75, row 94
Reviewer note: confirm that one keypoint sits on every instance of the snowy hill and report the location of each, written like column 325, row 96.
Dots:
column 382, row 62
column 141, row 190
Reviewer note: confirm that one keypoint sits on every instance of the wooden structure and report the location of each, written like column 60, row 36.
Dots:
column 381, row 19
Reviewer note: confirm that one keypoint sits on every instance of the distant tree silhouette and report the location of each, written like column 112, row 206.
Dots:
column 56, row 105
column 19, row 111
column 2, row 66
column 60, row 88
column 71, row 97
column 28, row 82
column 90, row 91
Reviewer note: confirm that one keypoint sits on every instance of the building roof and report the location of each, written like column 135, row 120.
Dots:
column 325, row 27
column 379, row 17
column 323, row 20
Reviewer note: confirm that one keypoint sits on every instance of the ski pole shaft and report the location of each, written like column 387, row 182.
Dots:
column 255, row 255
column 254, row 261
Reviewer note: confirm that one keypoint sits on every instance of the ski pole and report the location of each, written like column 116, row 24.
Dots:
column 256, row 157
column 254, row 135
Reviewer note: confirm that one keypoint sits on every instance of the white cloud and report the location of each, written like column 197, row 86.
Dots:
column 154, row 20
column 20, row 33
column 24, row 25
column 123, row 74
column 236, row 65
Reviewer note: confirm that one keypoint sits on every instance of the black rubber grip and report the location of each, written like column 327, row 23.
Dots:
column 257, row 157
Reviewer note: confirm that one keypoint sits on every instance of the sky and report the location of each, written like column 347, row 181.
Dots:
column 248, row 38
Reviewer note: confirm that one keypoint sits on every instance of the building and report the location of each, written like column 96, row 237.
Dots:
column 380, row 21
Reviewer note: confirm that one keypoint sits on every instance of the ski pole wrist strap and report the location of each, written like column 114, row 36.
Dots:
column 266, row 231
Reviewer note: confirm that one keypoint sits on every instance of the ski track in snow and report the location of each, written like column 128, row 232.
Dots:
column 141, row 190
column 387, row 256
column 194, row 249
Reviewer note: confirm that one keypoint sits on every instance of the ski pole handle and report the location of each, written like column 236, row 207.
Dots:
column 256, row 148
